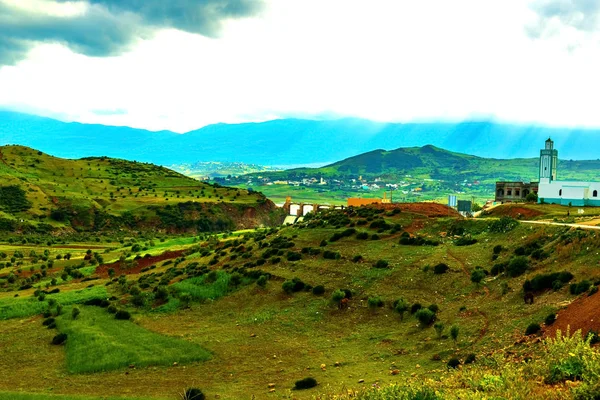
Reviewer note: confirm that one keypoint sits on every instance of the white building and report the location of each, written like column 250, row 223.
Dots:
column 554, row 191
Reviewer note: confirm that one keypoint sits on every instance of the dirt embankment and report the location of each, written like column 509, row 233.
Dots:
column 581, row 314
column 139, row 264
column 431, row 210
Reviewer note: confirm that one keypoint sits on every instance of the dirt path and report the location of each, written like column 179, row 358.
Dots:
column 562, row 224
column 486, row 321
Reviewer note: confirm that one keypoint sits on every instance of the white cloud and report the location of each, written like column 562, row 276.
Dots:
column 385, row 60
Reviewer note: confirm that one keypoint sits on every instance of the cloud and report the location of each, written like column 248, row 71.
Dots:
column 109, row 27
column 553, row 15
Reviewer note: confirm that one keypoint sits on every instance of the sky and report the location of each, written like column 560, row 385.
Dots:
column 183, row 64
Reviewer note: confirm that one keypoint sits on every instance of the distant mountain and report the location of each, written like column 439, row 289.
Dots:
column 289, row 141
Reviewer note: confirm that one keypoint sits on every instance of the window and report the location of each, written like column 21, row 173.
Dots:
column 595, row 193
column 509, row 192
column 500, row 193
column 517, row 192
column 560, row 192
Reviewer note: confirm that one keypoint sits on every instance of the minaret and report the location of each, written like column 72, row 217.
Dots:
column 548, row 161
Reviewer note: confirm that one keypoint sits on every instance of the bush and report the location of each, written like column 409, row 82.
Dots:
column 338, row 295
column 434, row 308
column 362, row 235
column 425, row 316
column 441, row 268
column 318, row 290
column 48, row 321
column 293, row 256
column 381, row 264
column 477, row 276
column 498, row 268
column 193, row 394
column 465, row 241
column 262, row 281
column 305, row 383
column 59, row 339
column 112, row 309
column 123, row 315
column 331, row 255
column 75, row 312
column 497, row 249
column 357, row 258
column 532, row 329
column 453, row 363
column 578, row 288
column 503, row 225
column 415, row 307
column 548, row 281
column 288, row 287
column 517, row 266
column 374, row 302
column 470, row 359
column 550, row 319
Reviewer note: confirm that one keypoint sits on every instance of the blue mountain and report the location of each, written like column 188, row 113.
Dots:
column 290, row 141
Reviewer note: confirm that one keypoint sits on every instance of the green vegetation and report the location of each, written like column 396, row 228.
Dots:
column 98, row 342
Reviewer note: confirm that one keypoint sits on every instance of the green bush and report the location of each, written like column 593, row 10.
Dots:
column 465, row 241
column 517, row 266
column 580, row 287
column 318, row 290
column 532, row 329
column 503, row 225
column 262, row 281
column 477, row 276
column 415, row 307
column 59, row 339
column 550, row 319
column 374, row 302
column 193, row 394
column 547, row 281
column 425, row 316
column 470, row 358
column 497, row 249
column 441, row 268
column 75, row 312
column 453, row 363
column 288, row 287
column 381, row 264
column 362, row 235
column 357, row 258
column 305, row 383
column 331, row 255
column 123, row 315
column 338, row 295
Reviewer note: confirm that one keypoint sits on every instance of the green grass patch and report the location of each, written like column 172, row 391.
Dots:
column 19, row 307
column 201, row 290
column 98, row 342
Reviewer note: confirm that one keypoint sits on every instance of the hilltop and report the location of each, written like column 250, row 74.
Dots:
column 289, row 141
column 42, row 193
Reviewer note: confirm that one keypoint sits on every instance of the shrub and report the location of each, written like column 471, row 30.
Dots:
column 331, row 255
column 550, row 319
column 374, row 302
column 338, row 295
column 262, row 281
column 477, row 276
column 288, row 287
column 357, row 258
column 441, row 268
column 434, row 308
column 75, row 312
column 465, row 241
column 532, row 329
column 497, row 249
column 425, row 316
column 580, row 287
column 498, row 268
column 362, row 235
column 548, row 281
column 123, row 315
column 517, row 266
column 453, row 363
column 439, row 328
column 381, row 264
column 293, row 256
column 593, row 290
column 374, row 236
column 48, row 321
column 470, row 359
column 305, row 383
column 503, row 225
column 112, row 309
column 401, row 306
column 415, row 307
column 193, row 394
column 454, row 331
column 318, row 290
column 59, row 339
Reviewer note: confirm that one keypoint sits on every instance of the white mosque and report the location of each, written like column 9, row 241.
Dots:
column 551, row 190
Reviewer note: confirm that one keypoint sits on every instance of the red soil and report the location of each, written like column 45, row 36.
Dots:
column 432, row 210
column 144, row 262
column 583, row 313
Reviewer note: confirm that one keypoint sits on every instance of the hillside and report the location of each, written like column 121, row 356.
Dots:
column 288, row 142
column 43, row 193
column 358, row 299
column 433, row 172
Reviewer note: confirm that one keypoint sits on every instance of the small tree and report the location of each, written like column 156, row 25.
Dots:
column 532, row 197
column 75, row 312
column 454, row 333
column 425, row 316
column 477, row 276
column 338, row 295
column 401, row 307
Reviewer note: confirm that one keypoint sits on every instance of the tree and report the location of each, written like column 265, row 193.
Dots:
column 75, row 312
column 532, row 197
column 401, row 307
column 477, row 276
column 454, row 333
column 439, row 329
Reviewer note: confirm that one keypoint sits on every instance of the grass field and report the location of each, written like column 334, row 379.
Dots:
column 98, row 342
column 233, row 341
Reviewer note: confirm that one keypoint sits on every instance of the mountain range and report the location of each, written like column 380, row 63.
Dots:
column 288, row 142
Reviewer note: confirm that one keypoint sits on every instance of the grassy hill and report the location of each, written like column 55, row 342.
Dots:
column 249, row 314
column 41, row 193
column 435, row 172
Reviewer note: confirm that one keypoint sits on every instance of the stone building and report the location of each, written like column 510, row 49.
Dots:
column 514, row 191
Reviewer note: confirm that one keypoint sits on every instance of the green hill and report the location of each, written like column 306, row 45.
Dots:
column 42, row 193
column 434, row 172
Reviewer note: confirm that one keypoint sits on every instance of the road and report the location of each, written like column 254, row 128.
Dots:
column 562, row 224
